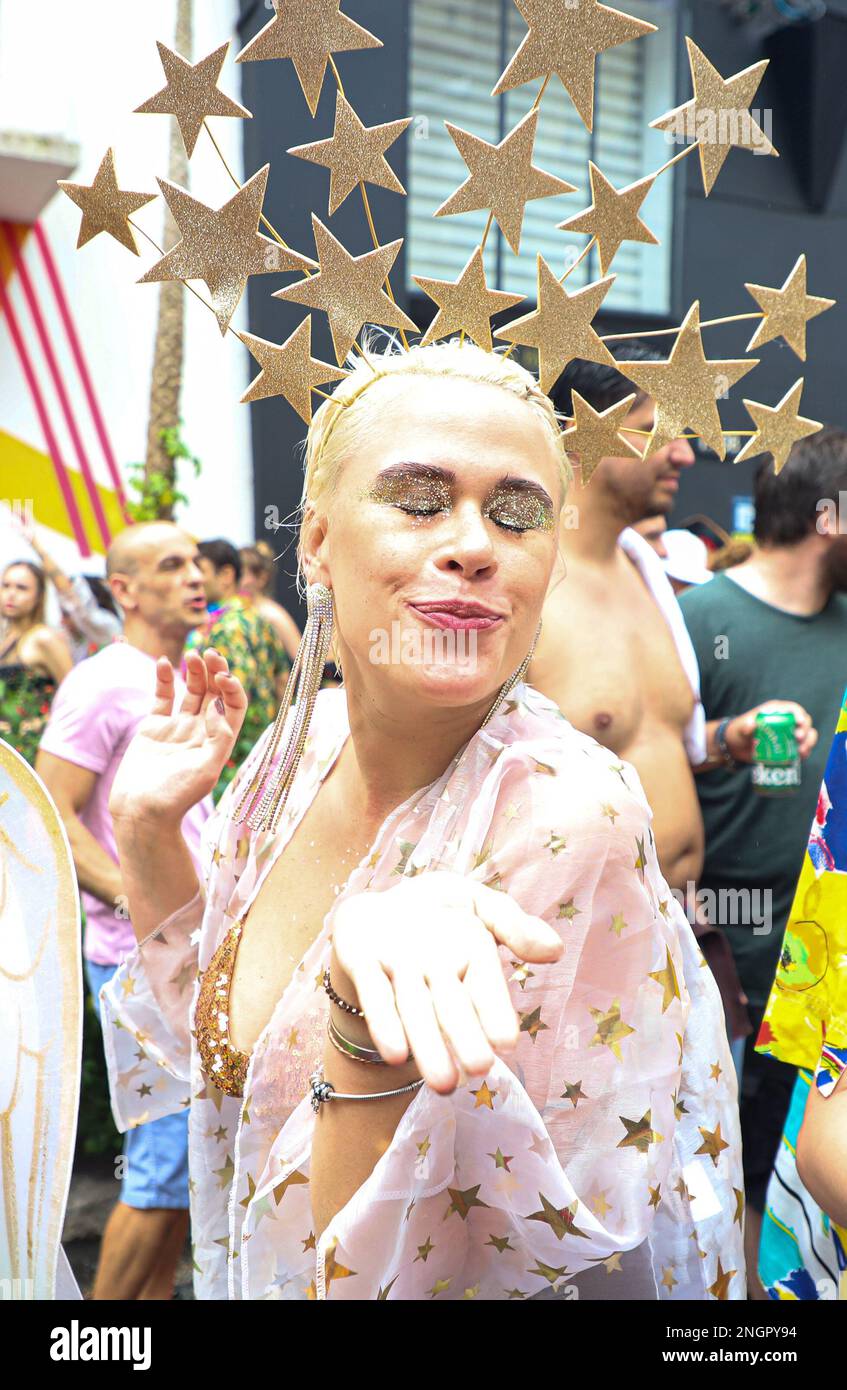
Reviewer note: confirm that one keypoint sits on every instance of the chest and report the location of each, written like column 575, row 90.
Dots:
column 287, row 916
column 613, row 666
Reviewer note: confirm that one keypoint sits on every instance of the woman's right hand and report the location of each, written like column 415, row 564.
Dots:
column 175, row 760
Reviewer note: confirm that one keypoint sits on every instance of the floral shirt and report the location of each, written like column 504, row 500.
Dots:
column 25, row 700
column 257, row 658
column 603, row 1160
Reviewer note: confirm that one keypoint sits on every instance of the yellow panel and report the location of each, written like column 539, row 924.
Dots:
column 27, row 473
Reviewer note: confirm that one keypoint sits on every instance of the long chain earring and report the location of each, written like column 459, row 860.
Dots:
column 515, row 678
column 263, row 801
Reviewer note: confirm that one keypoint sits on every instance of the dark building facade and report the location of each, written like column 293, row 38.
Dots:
column 762, row 213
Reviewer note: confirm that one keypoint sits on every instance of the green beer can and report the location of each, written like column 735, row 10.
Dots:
column 776, row 769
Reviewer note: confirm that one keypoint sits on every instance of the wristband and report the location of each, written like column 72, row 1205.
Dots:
column 722, row 745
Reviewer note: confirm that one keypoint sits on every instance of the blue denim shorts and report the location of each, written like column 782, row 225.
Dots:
column 156, row 1154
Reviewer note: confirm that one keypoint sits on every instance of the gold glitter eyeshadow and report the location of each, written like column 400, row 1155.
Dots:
column 422, row 491
column 518, row 510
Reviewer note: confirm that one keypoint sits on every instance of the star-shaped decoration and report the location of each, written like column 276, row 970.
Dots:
column 531, row 1023
column 565, row 38
column 289, row 370
column 128, row 986
column 679, row 1106
column 472, row 1292
column 668, row 980
column 424, row 1147
column 222, row 246
column 219, row 1134
column 191, row 93
column 334, row 1270
column 105, row 206
column 680, row 1045
column 355, row 153
column 515, row 1293
column 461, row 1202
column 548, row 1272
column 556, row 844
column 560, row 328
column 613, row 217
column 619, row 924
column 681, row 1187
column 717, row 116
column 641, row 858
column 599, row 1205
column 686, row 387
column 307, row 34
column 611, row 1031
column 787, row 311
column 501, row 1160
column 521, row 974
column 424, row 1251
column 668, row 1280
column 250, row 1193
column 225, row 1174
column 500, row 1243
column 713, row 1143
column 382, row 1293
column 595, row 434
column 466, row 304
column 777, row 428
column 568, row 911
column 440, row 1286
column 502, row 178
column 574, row 1093
column 720, row 1288
column 349, row 290
column 715, row 1071
column 484, row 1097
column 739, row 1205
column 144, row 1090
column 639, row 1133
column 309, row 1242
column 295, row 1179
column 655, row 1195
column 609, row 812
column 561, row 1222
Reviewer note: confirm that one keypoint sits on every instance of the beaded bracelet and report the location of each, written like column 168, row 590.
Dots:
column 323, row 1091
column 336, row 998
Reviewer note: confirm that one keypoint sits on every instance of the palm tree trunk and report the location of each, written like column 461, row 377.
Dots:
column 166, row 379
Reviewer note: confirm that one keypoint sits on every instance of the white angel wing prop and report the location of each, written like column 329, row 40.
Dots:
column 41, row 1037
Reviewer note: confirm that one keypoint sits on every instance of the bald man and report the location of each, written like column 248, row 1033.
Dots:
column 153, row 574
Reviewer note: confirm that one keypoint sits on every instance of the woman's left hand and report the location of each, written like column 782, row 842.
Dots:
column 423, row 961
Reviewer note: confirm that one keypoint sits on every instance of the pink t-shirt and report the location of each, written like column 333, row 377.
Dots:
column 96, row 712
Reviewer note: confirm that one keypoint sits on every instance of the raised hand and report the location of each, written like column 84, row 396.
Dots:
column 422, row 959
column 175, row 759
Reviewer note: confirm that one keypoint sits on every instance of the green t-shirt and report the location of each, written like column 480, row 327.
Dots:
column 749, row 652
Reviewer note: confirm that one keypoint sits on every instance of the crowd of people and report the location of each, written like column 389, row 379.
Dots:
column 661, row 654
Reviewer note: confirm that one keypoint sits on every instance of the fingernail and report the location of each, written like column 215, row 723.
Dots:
column 219, row 705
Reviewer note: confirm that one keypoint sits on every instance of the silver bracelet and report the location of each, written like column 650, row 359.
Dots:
column 323, row 1091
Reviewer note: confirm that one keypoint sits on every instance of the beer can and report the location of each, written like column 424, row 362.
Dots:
column 776, row 767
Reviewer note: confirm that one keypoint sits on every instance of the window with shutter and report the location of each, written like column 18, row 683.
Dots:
column 635, row 83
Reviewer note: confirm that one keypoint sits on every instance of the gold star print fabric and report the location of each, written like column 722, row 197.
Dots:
column 572, row 1167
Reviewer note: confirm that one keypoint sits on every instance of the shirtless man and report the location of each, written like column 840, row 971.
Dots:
column 607, row 654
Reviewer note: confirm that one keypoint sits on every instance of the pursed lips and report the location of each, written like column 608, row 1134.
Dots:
column 455, row 613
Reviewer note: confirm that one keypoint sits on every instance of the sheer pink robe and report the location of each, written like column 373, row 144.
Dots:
column 603, row 1161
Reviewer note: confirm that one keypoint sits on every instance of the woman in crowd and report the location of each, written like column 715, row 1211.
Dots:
column 90, row 616
column 355, row 1131
column 33, row 658
column 256, row 579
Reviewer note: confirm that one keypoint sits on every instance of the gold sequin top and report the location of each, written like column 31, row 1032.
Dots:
column 221, row 1062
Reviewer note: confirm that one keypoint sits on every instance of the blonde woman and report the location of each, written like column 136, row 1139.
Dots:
column 34, row 658
column 515, row 1070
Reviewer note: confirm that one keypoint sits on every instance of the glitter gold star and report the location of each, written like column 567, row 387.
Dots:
column 739, row 1205
column 568, row 910
column 787, row 311
column 500, row 1243
column 713, row 1144
column 560, row 328
column 294, row 1179
column 191, row 93
column 619, row 924
column 440, row 1286
column 222, row 246
column 594, row 434
column 639, row 1133
column 686, row 386
column 466, row 303
column 613, row 217
column 565, row 38
column 522, row 973
column 501, row 1160
column 718, row 115
column 599, row 1205
column 289, row 370
column 548, row 1272
column 667, row 979
column 424, row 1147
column 531, row 1023
column 309, row 1242
column 225, row 1174
column 720, row 1288
column 334, row 1270
column 484, row 1097
column 668, row 1279
column 424, row 1251
column 502, row 177
column 561, row 1222
column 681, row 1187
column 777, row 428
column 348, row 289
column 307, row 34
column 105, row 207
column 613, row 1263
column 574, row 1093
column 715, row 1071
column 655, row 1195
column 611, row 1031
column 461, row 1202
column 355, row 153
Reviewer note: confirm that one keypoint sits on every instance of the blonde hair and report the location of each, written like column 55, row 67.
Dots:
column 339, row 426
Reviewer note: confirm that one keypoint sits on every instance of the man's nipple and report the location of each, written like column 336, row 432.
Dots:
column 602, row 719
